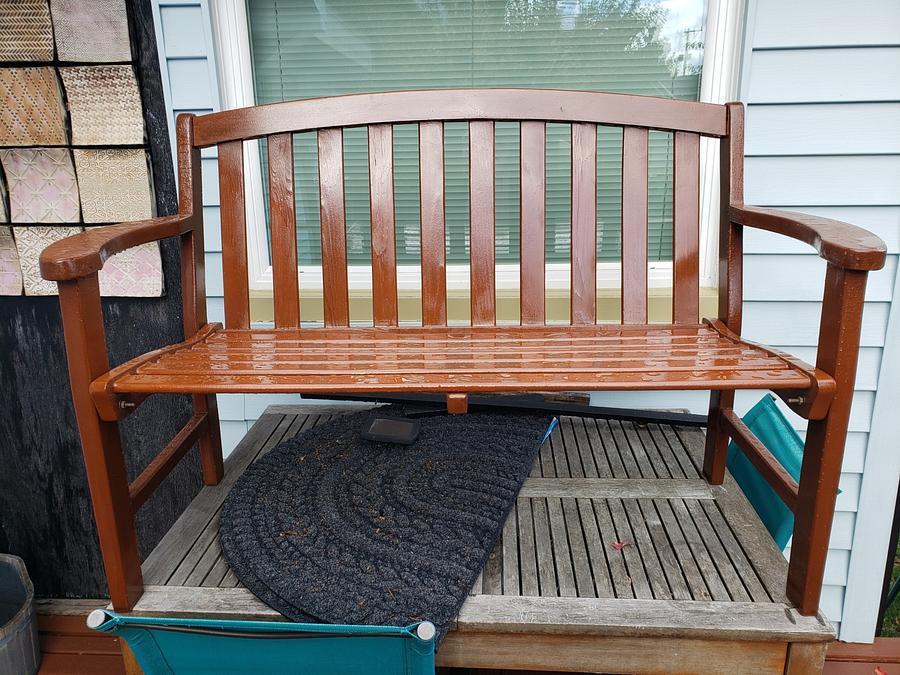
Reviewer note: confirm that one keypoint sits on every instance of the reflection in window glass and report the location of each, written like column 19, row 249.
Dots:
column 304, row 49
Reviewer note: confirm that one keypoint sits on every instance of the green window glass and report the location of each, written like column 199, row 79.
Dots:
column 304, row 49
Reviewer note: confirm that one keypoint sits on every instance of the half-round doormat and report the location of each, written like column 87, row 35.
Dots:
column 329, row 527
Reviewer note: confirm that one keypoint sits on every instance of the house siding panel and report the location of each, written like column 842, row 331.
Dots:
column 821, row 75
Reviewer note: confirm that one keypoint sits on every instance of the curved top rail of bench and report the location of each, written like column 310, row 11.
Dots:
column 399, row 107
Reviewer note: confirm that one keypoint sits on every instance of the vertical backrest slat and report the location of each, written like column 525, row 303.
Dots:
column 190, row 202
column 381, row 202
column 731, row 191
column 584, row 223
column 431, row 196
column 283, row 225
column 532, row 219
column 234, row 235
column 686, row 229
column 334, row 231
column 634, row 225
column 481, row 223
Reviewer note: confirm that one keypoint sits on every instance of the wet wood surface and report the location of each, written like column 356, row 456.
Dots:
column 505, row 358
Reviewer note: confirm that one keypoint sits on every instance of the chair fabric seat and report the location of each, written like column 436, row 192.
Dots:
column 459, row 359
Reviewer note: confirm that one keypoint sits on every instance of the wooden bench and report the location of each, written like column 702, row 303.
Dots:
column 459, row 360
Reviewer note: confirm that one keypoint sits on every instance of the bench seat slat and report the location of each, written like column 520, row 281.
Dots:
column 439, row 359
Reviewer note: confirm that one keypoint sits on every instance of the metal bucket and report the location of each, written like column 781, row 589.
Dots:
column 20, row 652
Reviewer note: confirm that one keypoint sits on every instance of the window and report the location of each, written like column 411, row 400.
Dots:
column 304, row 48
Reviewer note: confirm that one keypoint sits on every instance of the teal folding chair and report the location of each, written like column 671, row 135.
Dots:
column 169, row 646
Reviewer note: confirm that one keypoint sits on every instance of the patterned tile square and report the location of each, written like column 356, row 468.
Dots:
column 105, row 105
column 25, row 31
column 10, row 273
column 114, row 185
column 91, row 30
column 32, row 111
column 30, row 241
column 42, row 187
column 136, row 272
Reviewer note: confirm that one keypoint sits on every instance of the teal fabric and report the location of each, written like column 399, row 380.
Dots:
column 770, row 426
column 165, row 646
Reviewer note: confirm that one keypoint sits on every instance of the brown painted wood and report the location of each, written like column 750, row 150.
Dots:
column 157, row 470
column 532, row 185
column 634, row 225
column 234, row 235
column 434, row 247
column 193, row 286
column 451, row 360
column 381, row 205
column 731, row 251
column 882, row 650
column 837, row 354
column 461, row 105
column 457, row 404
column 841, row 244
column 334, row 228
column 686, row 229
column 584, row 223
column 481, row 223
column 104, row 462
column 283, row 228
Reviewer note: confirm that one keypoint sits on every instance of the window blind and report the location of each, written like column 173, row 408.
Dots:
column 303, row 49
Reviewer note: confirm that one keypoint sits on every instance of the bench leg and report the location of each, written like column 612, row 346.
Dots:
column 716, row 439
column 211, row 440
column 100, row 442
column 819, row 476
column 823, row 451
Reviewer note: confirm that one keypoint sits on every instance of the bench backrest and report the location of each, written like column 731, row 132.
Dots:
column 480, row 108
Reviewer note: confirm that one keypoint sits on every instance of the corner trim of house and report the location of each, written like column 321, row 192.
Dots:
column 234, row 67
column 723, row 48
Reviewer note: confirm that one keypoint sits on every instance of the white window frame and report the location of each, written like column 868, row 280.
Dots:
column 719, row 83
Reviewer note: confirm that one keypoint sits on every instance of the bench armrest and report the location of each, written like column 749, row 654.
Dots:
column 83, row 254
column 844, row 245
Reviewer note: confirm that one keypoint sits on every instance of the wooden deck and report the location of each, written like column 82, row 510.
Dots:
column 697, row 587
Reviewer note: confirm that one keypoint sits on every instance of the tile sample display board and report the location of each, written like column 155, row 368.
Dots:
column 72, row 139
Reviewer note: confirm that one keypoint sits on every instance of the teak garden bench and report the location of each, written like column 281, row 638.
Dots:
column 483, row 357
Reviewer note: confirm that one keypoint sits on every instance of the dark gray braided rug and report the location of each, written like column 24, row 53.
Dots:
column 329, row 527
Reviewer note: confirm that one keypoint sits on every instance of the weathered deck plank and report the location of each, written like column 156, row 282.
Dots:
column 696, row 562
